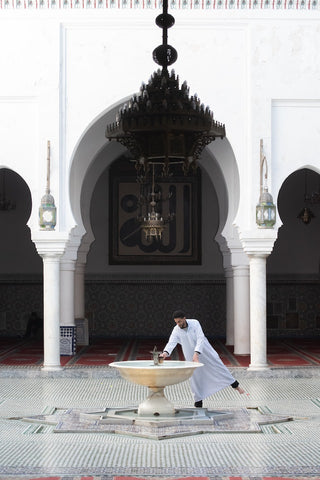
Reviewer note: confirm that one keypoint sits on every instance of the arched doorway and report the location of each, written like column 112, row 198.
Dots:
column 203, row 286
column 20, row 266
column 293, row 266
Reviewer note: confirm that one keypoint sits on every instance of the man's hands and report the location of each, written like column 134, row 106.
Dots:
column 195, row 357
column 163, row 355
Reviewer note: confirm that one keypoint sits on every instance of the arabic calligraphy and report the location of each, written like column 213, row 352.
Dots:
column 180, row 240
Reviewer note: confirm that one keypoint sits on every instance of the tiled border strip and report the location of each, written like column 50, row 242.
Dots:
column 266, row 471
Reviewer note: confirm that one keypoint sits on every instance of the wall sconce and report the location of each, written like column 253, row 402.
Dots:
column 306, row 215
column 265, row 210
column 47, row 210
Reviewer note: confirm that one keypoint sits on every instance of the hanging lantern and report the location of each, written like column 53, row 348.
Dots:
column 47, row 209
column 265, row 210
column 306, row 215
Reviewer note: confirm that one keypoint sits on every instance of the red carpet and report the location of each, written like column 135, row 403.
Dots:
column 101, row 352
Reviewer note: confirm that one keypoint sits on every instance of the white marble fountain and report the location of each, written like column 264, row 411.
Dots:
column 156, row 376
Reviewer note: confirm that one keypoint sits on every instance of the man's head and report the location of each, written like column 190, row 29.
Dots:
column 180, row 318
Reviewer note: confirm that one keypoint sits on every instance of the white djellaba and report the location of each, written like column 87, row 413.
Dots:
column 214, row 375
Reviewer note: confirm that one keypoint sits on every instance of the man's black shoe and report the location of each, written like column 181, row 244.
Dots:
column 198, row 404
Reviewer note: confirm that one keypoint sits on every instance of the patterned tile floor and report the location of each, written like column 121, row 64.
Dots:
column 32, row 451
column 90, row 477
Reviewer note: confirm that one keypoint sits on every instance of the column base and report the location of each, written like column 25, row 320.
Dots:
column 51, row 368
column 264, row 366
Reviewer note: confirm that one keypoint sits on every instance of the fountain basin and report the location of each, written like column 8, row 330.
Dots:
column 144, row 372
column 156, row 378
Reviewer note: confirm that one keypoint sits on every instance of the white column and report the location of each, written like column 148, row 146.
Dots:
column 241, row 287
column 51, row 311
column 258, row 296
column 82, row 323
column 67, row 277
column 229, row 306
column 79, row 291
column 258, row 245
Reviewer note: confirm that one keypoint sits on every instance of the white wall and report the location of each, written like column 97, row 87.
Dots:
column 64, row 69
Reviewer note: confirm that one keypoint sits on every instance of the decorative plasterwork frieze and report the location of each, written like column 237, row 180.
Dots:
column 156, row 4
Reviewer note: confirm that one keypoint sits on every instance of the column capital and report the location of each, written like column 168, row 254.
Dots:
column 233, row 254
column 67, row 265
column 71, row 251
column 241, row 270
column 259, row 243
column 50, row 243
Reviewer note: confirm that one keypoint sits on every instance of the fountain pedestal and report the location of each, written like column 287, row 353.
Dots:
column 156, row 404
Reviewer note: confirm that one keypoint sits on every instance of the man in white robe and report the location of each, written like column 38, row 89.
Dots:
column 214, row 375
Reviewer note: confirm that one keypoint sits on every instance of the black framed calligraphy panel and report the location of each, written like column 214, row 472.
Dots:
column 180, row 243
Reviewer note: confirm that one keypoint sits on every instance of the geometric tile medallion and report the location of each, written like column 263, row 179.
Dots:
column 116, row 421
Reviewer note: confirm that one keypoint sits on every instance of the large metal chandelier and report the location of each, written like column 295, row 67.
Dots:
column 163, row 123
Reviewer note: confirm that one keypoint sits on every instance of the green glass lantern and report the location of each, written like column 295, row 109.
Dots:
column 47, row 213
column 47, row 209
column 265, row 211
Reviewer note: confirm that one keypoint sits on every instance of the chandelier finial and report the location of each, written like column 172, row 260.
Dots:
column 165, row 54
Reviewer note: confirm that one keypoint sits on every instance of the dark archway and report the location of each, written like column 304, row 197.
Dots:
column 20, row 266
column 293, row 266
column 296, row 251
